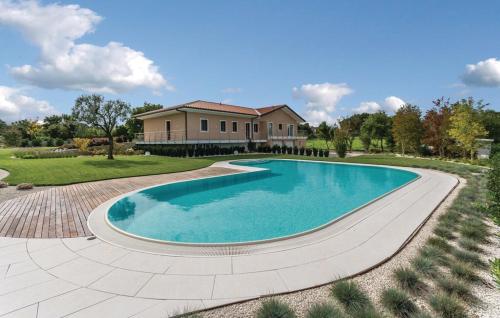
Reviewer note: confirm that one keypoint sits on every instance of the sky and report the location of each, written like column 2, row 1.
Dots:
column 325, row 59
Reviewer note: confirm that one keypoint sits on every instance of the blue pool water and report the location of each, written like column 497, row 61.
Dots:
column 288, row 198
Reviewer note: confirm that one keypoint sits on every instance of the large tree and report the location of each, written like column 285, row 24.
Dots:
column 436, row 125
column 352, row 126
column 326, row 133
column 466, row 125
column 377, row 126
column 104, row 115
column 407, row 127
column 134, row 125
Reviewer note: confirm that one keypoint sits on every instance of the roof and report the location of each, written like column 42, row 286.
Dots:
column 220, row 107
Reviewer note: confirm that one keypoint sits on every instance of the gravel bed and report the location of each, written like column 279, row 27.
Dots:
column 376, row 280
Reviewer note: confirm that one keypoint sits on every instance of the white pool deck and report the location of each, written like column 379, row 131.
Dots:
column 120, row 276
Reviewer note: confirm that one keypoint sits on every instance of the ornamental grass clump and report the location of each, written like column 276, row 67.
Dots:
column 324, row 310
column 444, row 232
column 464, row 271
column 350, row 296
column 455, row 287
column 425, row 266
column 409, row 280
column 471, row 258
column 273, row 308
column 435, row 254
column 474, row 229
column 398, row 303
column 470, row 245
column 447, row 306
column 440, row 243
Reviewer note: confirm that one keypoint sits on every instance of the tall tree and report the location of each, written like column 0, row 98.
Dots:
column 377, row 126
column 352, row 126
column 326, row 133
column 94, row 111
column 407, row 127
column 307, row 129
column 466, row 125
column 134, row 125
column 436, row 125
column 491, row 122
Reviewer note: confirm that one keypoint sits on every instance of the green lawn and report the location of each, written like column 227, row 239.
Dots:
column 321, row 144
column 81, row 169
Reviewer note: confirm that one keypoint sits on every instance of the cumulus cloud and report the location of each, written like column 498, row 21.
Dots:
column 390, row 104
column 321, row 100
column 484, row 73
column 14, row 105
column 63, row 63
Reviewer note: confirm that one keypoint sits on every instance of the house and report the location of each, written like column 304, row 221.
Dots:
column 204, row 123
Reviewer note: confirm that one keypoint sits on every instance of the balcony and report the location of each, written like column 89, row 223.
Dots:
column 178, row 137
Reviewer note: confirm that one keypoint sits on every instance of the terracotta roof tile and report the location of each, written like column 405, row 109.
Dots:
column 222, row 107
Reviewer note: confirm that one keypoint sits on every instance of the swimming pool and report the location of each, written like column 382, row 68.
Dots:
column 287, row 198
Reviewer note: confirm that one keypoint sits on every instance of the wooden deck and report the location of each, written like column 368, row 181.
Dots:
column 63, row 211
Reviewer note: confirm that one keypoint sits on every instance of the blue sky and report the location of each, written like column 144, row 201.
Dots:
column 324, row 58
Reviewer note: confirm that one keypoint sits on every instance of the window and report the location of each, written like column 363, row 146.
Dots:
column 290, row 130
column 280, row 126
column 203, row 125
column 222, row 126
column 269, row 129
column 235, row 126
column 255, row 128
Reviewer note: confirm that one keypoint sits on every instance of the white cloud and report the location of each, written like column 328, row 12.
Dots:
column 393, row 103
column 484, row 73
column 232, row 90
column 14, row 105
column 54, row 28
column 321, row 100
column 368, row 107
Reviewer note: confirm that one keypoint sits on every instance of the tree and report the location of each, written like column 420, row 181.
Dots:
column 436, row 125
column 12, row 136
column 94, row 111
column 325, row 132
column 465, row 124
column 352, row 125
column 134, row 125
column 341, row 141
column 376, row 126
column 60, row 127
column 307, row 129
column 407, row 127
column 491, row 122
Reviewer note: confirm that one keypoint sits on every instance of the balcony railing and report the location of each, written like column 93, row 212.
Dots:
column 179, row 137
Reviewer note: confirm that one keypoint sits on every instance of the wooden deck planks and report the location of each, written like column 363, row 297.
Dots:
column 62, row 211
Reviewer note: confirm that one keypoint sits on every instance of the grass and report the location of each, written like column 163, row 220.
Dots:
column 409, row 280
column 495, row 270
column 447, row 306
column 324, row 310
column 474, row 229
column 455, row 287
column 469, row 257
column 425, row 266
column 469, row 245
column 273, row 308
column 443, row 231
column 350, row 296
column 59, row 171
column 435, row 254
column 398, row 303
column 440, row 243
column 464, row 271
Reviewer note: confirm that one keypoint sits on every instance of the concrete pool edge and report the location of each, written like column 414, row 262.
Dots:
column 242, row 169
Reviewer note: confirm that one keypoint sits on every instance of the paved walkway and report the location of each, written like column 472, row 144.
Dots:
column 77, row 277
column 63, row 211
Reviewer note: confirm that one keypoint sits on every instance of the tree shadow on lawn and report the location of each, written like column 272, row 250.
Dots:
column 119, row 163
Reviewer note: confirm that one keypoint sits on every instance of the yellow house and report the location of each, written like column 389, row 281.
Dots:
column 202, row 122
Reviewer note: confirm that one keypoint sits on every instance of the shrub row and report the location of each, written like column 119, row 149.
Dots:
column 189, row 151
column 285, row 150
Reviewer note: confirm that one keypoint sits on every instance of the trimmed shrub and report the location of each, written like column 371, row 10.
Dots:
column 59, row 142
column 302, row 151
column 440, row 243
column 24, row 186
column 456, row 287
column 324, row 310
column 295, row 150
column 326, row 153
column 469, row 257
column 425, row 266
column 464, row 271
column 398, row 303
column 350, row 295
column 315, row 152
column 49, row 142
column 409, row 280
column 341, row 149
column 3, row 184
column 273, row 308
column 37, row 142
column 320, row 152
column 447, row 306
column 309, row 152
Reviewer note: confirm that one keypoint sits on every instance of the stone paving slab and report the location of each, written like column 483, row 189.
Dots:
column 125, row 277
